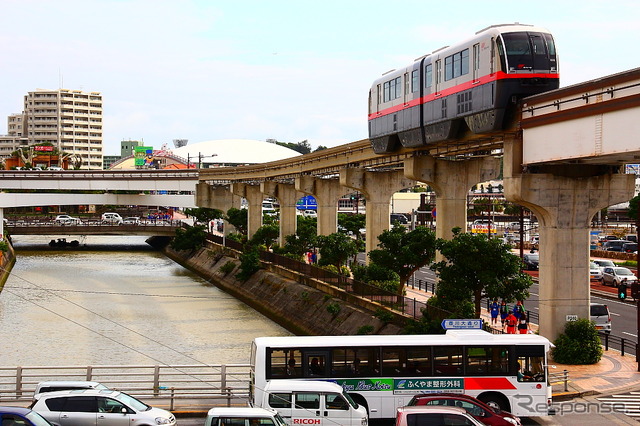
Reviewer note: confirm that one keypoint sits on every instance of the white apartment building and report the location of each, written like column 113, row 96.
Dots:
column 69, row 119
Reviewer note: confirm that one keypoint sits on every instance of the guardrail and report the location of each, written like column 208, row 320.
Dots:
column 560, row 377
column 175, row 384
column 626, row 345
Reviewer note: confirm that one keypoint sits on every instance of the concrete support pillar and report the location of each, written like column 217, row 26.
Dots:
column 1, row 223
column 451, row 181
column 564, row 207
column 254, row 199
column 217, row 197
column 327, row 192
column 287, row 197
column 377, row 187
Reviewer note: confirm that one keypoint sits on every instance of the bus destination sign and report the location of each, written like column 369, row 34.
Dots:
column 462, row 324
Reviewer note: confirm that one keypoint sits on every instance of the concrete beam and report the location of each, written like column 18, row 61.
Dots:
column 564, row 207
column 287, row 196
column 254, row 198
column 451, row 181
column 377, row 187
column 327, row 192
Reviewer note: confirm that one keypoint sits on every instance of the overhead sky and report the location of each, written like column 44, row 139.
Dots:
column 290, row 70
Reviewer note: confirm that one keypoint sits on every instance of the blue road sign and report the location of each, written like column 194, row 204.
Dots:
column 462, row 324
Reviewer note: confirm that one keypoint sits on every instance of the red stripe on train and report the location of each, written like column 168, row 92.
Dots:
column 480, row 383
column 456, row 89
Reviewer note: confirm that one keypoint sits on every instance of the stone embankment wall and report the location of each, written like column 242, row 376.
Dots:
column 7, row 259
column 300, row 306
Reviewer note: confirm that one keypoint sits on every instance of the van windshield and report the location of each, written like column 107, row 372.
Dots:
column 351, row 401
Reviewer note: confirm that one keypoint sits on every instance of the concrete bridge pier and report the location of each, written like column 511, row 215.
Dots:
column 378, row 188
column 327, row 192
column 564, row 206
column 1, row 223
column 287, row 196
column 254, row 198
column 217, row 197
column 451, row 181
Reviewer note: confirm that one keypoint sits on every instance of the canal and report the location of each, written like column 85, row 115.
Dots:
column 115, row 300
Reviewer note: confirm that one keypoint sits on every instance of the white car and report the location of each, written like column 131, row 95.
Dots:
column 111, row 218
column 132, row 220
column 93, row 407
column 595, row 273
column 618, row 275
column 65, row 219
column 310, row 213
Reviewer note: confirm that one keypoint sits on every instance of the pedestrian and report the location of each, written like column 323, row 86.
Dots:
column 518, row 310
column 494, row 309
column 523, row 324
column 504, row 311
column 309, row 257
column 314, row 256
column 511, row 322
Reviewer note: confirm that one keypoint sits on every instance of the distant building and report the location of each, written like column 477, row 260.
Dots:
column 71, row 120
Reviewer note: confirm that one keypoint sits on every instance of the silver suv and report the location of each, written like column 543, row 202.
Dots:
column 600, row 316
column 92, row 407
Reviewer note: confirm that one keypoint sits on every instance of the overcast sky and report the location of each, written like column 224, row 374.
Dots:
column 287, row 70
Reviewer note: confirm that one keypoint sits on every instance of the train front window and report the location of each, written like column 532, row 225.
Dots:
column 528, row 51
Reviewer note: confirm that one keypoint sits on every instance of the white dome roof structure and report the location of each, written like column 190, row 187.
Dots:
column 234, row 151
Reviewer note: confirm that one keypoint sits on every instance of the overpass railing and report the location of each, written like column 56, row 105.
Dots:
column 173, row 385
column 405, row 305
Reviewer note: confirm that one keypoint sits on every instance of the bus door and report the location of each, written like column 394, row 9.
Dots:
column 316, row 363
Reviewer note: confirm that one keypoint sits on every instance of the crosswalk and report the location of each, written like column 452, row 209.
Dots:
column 627, row 403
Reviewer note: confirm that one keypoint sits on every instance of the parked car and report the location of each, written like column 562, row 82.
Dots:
column 427, row 415
column 603, row 263
column 613, row 245
column 93, row 407
column 601, row 316
column 595, row 273
column 478, row 409
column 60, row 385
column 398, row 217
column 310, row 213
column 243, row 416
column 111, row 218
column 630, row 247
column 531, row 261
column 615, row 276
column 631, row 237
column 65, row 219
column 19, row 416
column 56, row 168
column 131, row 220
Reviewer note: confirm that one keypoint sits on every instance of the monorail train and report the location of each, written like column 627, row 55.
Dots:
column 476, row 81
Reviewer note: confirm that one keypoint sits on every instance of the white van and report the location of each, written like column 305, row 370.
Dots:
column 111, row 218
column 312, row 402
column 243, row 416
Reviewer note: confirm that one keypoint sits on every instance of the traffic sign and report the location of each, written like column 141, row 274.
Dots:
column 462, row 324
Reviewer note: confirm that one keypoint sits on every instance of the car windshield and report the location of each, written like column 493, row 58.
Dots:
column 37, row 419
column 604, row 263
column 623, row 271
column 599, row 310
column 593, row 265
column 533, row 256
column 132, row 402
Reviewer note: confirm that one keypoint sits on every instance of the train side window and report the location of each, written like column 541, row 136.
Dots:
column 428, row 76
column 415, row 81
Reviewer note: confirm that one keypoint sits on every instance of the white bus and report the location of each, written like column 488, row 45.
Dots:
column 506, row 371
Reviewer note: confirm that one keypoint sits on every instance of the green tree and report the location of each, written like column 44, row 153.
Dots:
column 191, row 238
column 204, row 214
column 238, row 218
column 404, row 252
column 579, row 344
column 352, row 223
column 633, row 207
column 265, row 236
column 336, row 249
column 477, row 266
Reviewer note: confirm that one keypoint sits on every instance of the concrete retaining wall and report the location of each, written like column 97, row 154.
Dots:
column 301, row 309
column 7, row 259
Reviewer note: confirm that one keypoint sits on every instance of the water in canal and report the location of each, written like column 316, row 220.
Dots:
column 116, row 301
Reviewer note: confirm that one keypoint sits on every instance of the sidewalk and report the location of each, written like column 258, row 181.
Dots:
column 613, row 374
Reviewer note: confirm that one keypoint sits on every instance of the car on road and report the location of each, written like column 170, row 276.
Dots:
column 604, row 263
column 131, row 220
column 595, row 273
column 20, row 416
column 613, row 245
column 630, row 247
column 61, row 385
column 478, row 409
column 65, row 219
column 93, row 407
column 531, row 261
column 600, row 316
column 434, row 415
column 617, row 275
column 310, row 213
column 243, row 416
column 111, row 218
column 398, row 217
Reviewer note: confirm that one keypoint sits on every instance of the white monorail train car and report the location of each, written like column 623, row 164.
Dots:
column 475, row 82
